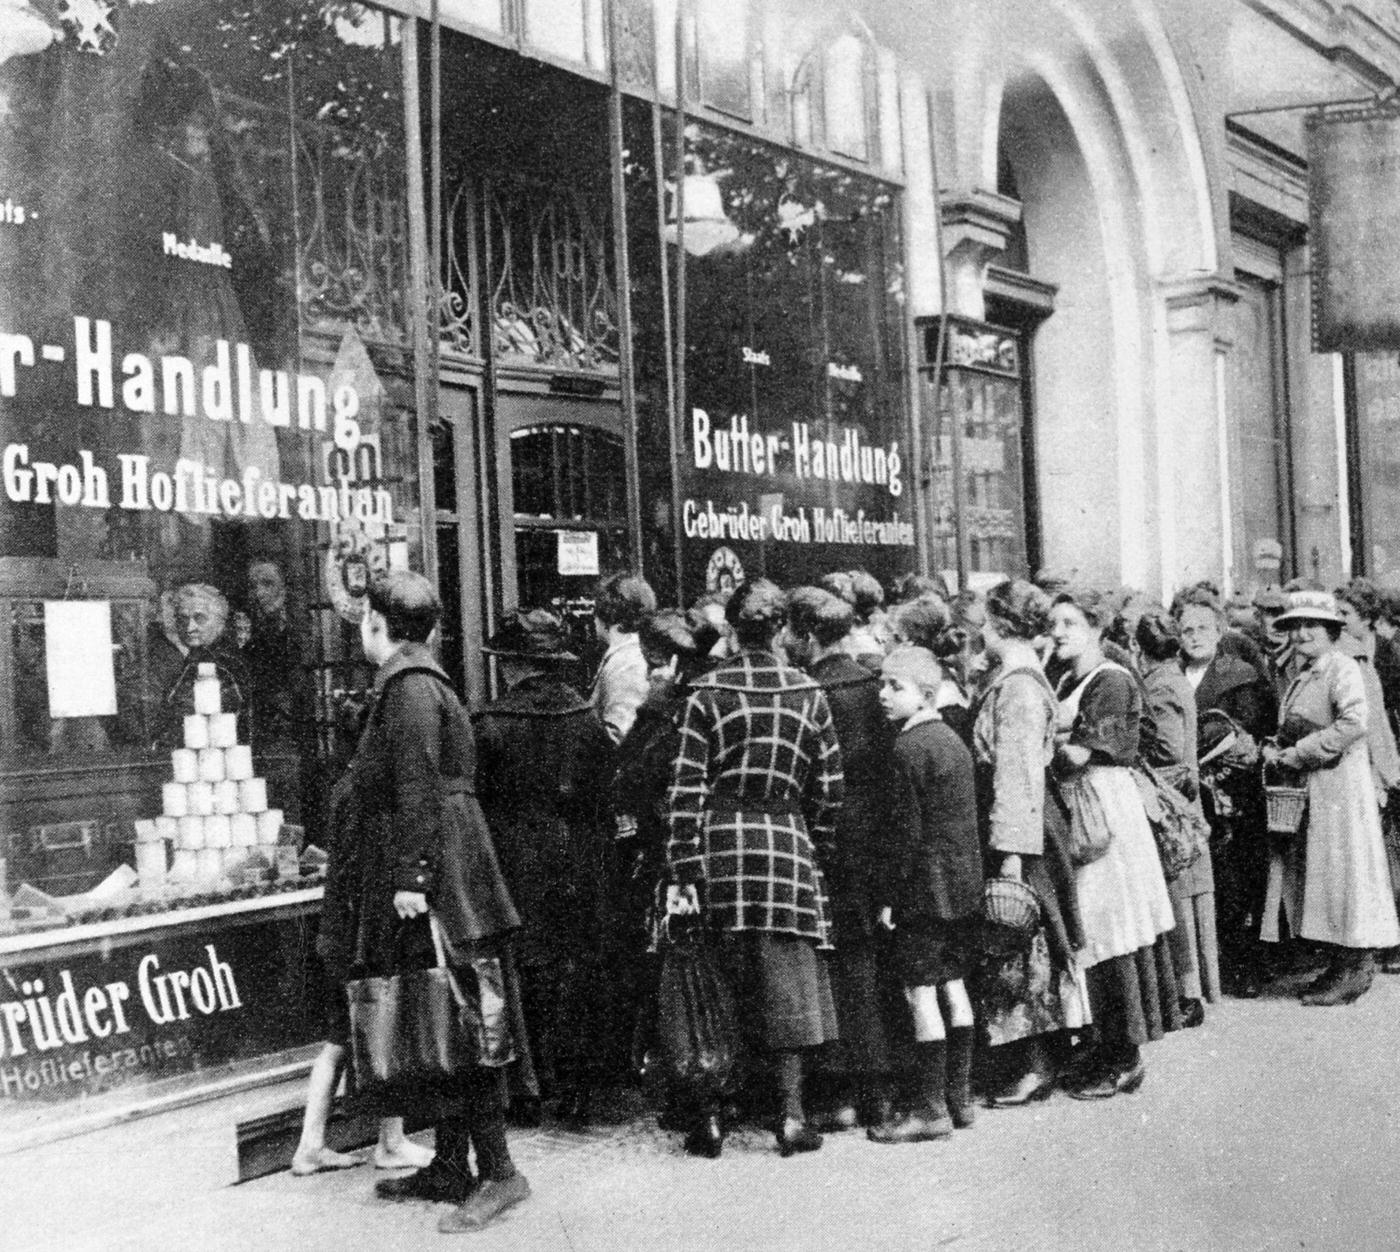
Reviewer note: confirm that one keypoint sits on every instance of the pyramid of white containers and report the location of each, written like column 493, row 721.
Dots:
column 213, row 810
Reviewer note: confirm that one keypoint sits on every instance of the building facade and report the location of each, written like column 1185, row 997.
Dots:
column 523, row 292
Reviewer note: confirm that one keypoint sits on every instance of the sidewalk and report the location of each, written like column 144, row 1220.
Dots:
column 1273, row 1126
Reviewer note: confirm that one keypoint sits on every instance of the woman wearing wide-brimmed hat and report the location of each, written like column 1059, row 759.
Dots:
column 1331, row 880
column 545, row 782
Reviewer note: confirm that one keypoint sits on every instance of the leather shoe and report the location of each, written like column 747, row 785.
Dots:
column 705, row 1138
column 875, row 1111
column 492, row 1198
column 434, row 1183
column 1126, row 1081
column 1353, row 982
column 912, row 1128
column 1193, row 1014
column 1031, row 1087
column 795, row 1137
column 833, row 1121
column 1104, row 1087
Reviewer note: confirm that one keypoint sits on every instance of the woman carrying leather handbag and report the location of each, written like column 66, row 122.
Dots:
column 410, row 835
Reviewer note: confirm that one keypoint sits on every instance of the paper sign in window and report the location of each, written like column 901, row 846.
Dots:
column 578, row 552
column 78, row 657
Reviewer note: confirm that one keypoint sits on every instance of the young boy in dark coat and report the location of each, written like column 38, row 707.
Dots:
column 930, row 895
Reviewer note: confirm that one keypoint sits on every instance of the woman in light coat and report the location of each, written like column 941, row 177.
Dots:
column 1331, row 880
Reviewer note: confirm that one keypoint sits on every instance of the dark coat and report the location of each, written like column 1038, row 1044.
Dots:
column 933, row 862
column 645, row 759
column 1235, row 687
column 546, row 777
column 405, row 817
column 866, row 738
column 754, row 797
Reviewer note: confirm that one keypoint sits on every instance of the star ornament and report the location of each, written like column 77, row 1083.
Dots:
column 90, row 23
column 794, row 218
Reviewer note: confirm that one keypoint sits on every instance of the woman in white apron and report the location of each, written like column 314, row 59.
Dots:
column 1331, row 880
column 1123, row 898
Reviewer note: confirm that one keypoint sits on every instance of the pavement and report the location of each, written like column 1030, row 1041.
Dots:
column 1271, row 1126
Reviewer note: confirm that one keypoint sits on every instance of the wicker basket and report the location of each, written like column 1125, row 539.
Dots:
column 1010, row 915
column 1286, row 806
column 1285, row 801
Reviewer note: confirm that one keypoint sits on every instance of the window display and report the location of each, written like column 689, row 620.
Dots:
column 208, row 447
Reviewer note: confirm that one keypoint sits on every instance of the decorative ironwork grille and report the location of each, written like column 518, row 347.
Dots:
column 352, row 239
column 553, row 295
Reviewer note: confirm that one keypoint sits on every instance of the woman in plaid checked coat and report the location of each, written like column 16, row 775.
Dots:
column 753, row 804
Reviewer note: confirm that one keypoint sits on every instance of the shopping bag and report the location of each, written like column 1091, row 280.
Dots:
column 697, row 1039
column 1178, row 826
column 1089, row 832
column 421, row 1029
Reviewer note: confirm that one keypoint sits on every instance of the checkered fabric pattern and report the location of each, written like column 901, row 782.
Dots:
column 754, row 796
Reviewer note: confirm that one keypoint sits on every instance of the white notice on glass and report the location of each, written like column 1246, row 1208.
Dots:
column 81, row 672
column 578, row 552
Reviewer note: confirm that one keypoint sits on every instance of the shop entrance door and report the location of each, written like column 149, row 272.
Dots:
column 563, row 500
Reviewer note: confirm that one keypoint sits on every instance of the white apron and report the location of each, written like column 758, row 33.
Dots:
column 1123, row 900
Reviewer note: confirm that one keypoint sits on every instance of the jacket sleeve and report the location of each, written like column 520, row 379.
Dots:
column 622, row 688
column 1109, row 714
column 1164, row 734
column 903, row 833
column 685, row 801
column 413, row 732
column 1348, row 695
column 1017, row 818
column 826, row 785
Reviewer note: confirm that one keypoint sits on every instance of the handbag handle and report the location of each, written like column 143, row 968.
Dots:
column 438, row 946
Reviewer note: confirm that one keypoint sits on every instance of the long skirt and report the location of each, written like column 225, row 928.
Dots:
column 1026, row 994
column 1134, row 997
column 1123, row 898
column 782, row 992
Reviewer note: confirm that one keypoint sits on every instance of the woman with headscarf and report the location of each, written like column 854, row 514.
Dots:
column 1123, row 898
column 1331, row 879
column 753, row 803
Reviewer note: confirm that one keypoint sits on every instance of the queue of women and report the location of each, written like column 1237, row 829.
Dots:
column 823, row 782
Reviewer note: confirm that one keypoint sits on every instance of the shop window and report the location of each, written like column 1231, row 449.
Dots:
column 793, row 346
column 212, row 271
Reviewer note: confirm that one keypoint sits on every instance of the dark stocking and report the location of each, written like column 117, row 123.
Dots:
column 790, row 1084
column 487, row 1117
column 931, row 1076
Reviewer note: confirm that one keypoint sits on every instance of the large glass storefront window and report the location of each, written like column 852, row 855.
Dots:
column 208, row 446
column 792, row 446
column 1376, row 391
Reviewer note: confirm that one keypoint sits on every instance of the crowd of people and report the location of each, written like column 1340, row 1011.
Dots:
column 827, row 785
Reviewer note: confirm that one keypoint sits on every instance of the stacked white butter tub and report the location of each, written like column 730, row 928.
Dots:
column 214, row 810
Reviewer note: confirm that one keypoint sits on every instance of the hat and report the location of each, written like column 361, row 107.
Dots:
column 534, row 633
column 1270, row 599
column 1309, row 606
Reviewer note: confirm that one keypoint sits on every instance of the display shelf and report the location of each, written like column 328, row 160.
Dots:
column 174, row 919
